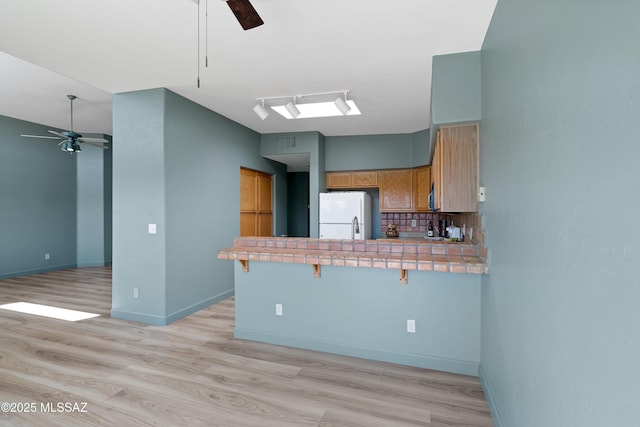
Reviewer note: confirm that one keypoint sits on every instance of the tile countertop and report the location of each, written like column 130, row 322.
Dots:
column 393, row 253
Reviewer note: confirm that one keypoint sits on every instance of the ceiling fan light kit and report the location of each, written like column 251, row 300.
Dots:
column 323, row 104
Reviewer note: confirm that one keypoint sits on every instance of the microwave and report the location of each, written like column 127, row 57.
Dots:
column 432, row 198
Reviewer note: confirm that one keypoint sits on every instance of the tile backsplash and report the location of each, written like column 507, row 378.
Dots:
column 403, row 221
column 471, row 221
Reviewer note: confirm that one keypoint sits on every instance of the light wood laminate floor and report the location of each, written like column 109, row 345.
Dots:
column 111, row 372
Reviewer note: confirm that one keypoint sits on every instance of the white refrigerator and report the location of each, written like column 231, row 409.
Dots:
column 345, row 215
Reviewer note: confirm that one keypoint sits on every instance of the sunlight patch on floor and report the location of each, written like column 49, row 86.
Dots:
column 48, row 311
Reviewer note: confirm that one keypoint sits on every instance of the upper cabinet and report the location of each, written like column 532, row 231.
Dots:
column 353, row 179
column 454, row 169
column 396, row 190
column 401, row 190
column 422, row 187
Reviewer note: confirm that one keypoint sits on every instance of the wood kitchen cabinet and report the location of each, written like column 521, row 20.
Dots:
column 256, row 215
column 422, row 188
column 454, row 169
column 396, row 190
column 352, row 179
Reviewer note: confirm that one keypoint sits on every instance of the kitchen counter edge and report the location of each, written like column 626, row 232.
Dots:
column 413, row 254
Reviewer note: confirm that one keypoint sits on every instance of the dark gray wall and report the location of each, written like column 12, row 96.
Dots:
column 559, row 150
column 298, row 204
column 37, row 201
column 176, row 164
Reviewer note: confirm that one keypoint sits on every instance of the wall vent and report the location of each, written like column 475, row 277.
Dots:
column 286, row 141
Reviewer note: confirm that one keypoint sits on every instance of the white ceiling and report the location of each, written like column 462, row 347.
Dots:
column 380, row 51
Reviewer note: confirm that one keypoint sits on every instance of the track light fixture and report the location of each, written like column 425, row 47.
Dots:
column 292, row 109
column 261, row 111
column 342, row 104
column 311, row 105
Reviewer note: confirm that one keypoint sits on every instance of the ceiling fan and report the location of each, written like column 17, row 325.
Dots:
column 245, row 13
column 71, row 140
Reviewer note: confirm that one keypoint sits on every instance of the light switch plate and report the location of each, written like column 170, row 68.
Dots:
column 481, row 194
column 152, row 229
column 278, row 309
column 411, row 326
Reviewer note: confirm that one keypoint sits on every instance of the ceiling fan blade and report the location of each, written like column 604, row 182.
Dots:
column 96, row 140
column 40, row 136
column 94, row 144
column 58, row 133
column 245, row 14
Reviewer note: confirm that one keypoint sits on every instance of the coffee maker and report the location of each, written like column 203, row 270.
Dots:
column 443, row 228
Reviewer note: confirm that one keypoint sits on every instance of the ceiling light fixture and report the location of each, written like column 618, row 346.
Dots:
column 261, row 111
column 311, row 105
column 342, row 104
column 292, row 109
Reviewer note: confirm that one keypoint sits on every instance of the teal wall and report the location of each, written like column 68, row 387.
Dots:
column 455, row 90
column 176, row 164
column 51, row 202
column 94, row 205
column 361, row 152
column 363, row 312
column 139, row 259
column 306, row 142
column 559, row 157
column 420, row 143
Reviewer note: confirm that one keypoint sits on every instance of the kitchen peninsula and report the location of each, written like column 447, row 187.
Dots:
column 360, row 298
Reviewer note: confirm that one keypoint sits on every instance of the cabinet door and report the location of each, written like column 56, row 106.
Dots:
column 458, row 159
column 338, row 179
column 455, row 169
column 264, row 211
column 256, row 217
column 364, row 179
column 436, row 172
column 349, row 179
column 396, row 190
column 422, row 181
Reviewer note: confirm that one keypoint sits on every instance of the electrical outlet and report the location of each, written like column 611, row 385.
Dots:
column 278, row 309
column 414, row 222
column 135, row 292
column 47, row 257
column 411, row 326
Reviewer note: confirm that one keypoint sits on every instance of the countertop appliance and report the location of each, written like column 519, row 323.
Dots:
column 345, row 215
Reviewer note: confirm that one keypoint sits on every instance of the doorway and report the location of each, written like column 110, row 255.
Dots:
column 298, row 204
column 256, row 213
